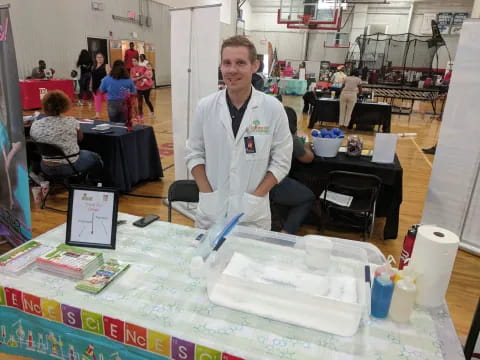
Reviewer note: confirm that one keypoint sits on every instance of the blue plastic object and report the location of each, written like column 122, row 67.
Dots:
column 382, row 292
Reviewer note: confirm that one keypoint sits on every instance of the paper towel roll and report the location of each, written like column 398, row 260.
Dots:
column 433, row 257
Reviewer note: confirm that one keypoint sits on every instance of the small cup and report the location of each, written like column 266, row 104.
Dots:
column 332, row 94
column 45, row 186
column 37, row 195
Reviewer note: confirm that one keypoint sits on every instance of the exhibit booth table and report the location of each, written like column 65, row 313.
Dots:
column 129, row 157
column 364, row 113
column 289, row 86
column 33, row 90
column 156, row 310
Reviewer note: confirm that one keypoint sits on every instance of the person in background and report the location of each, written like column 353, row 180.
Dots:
column 258, row 79
column 237, row 159
column 99, row 71
column 130, row 54
column 365, row 73
column 288, row 71
column 289, row 192
column 119, row 88
column 65, row 132
column 85, row 64
column 338, row 77
column 373, row 77
column 39, row 71
column 143, row 85
column 143, row 60
column 352, row 86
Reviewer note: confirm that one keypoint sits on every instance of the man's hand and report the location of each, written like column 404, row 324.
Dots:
column 268, row 182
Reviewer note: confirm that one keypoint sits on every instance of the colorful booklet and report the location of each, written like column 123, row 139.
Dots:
column 70, row 261
column 104, row 275
column 21, row 257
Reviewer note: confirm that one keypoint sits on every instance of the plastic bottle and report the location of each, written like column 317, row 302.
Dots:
column 403, row 300
column 382, row 291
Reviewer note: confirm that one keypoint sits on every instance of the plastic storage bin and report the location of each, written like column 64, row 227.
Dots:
column 331, row 300
column 326, row 147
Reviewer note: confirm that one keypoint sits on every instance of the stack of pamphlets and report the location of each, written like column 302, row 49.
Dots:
column 102, row 277
column 20, row 258
column 70, row 261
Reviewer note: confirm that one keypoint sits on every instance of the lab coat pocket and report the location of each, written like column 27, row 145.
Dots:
column 255, row 207
column 207, row 209
column 259, row 148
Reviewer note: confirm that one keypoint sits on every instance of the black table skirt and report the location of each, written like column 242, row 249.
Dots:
column 364, row 114
column 129, row 157
column 314, row 176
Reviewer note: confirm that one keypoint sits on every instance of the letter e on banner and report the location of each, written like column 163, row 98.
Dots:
column 114, row 328
column 14, row 298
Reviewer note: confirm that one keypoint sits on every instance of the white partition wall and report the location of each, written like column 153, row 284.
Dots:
column 195, row 38
column 453, row 199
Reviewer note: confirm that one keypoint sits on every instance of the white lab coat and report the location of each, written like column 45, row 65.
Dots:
column 233, row 173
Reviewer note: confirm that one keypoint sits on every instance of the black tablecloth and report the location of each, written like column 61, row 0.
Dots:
column 315, row 175
column 327, row 110
column 129, row 157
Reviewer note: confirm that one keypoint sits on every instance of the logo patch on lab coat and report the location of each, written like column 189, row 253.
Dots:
column 258, row 128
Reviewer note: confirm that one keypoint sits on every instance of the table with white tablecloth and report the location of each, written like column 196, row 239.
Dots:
column 156, row 310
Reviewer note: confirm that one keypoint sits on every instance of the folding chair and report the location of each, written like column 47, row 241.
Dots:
column 182, row 190
column 50, row 151
column 364, row 188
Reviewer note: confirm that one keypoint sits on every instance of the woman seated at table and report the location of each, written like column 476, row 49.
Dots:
column 65, row 132
column 119, row 88
column 289, row 192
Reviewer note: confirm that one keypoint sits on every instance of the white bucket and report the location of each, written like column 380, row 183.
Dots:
column 326, row 147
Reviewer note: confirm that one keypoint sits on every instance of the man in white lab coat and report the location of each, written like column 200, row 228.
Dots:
column 239, row 145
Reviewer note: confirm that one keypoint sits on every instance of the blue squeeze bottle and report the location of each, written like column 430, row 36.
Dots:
column 382, row 292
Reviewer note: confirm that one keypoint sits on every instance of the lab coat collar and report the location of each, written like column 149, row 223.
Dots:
column 253, row 105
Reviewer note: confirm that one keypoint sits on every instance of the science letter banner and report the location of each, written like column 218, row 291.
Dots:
column 15, row 222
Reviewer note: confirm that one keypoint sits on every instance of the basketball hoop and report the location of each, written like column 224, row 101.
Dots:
column 306, row 18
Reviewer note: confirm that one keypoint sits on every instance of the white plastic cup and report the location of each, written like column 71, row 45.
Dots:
column 37, row 195
column 45, row 186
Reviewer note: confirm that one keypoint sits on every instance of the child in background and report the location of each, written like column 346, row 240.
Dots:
column 144, row 86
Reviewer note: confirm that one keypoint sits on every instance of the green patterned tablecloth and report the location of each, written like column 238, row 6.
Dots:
column 157, row 293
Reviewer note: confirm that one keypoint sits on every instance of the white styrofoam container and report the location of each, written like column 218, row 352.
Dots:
column 326, row 147
column 284, row 303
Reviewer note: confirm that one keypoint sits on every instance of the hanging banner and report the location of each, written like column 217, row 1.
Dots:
column 457, row 22
column 15, row 223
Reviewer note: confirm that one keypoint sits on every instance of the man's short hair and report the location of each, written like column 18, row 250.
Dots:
column 132, row 43
column 238, row 40
column 40, row 62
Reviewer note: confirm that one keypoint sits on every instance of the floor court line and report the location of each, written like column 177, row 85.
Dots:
column 421, row 152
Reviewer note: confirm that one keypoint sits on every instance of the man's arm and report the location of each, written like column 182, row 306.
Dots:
column 200, row 176
column 308, row 156
column 195, row 152
column 280, row 155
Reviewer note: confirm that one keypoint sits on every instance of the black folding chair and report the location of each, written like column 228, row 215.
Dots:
column 182, row 190
column 54, row 152
column 364, row 188
column 472, row 337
